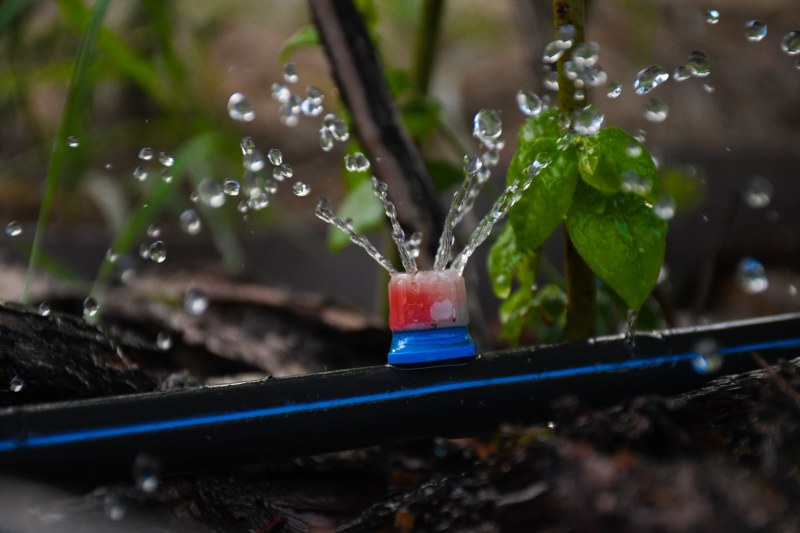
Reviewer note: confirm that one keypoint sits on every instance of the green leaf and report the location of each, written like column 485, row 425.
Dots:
column 502, row 262
column 543, row 125
column 8, row 10
column 620, row 238
column 552, row 303
column 302, row 38
column 515, row 314
column 363, row 208
column 543, row 206
column 74, row 109
column 610, row 154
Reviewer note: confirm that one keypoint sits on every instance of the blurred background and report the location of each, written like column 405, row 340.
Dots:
column 162, row 74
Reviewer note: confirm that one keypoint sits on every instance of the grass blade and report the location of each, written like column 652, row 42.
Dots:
column 74, row 106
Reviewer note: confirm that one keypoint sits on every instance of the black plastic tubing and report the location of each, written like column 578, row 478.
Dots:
column 256, row 421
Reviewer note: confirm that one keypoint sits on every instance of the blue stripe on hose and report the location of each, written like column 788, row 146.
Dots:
column 221, row 418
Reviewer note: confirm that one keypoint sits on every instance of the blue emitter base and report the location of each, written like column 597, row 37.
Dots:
column 430, row 345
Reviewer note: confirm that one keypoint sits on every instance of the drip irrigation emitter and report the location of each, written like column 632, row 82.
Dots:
column 221, row 425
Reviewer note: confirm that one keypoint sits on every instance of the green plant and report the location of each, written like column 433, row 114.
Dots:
column 611, row 229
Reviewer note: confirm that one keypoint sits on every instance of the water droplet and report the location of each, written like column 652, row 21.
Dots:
column 529, row 103
column 755, row 30
column 712, row 16
column 211, row 193
column 73, row 141
column 281, row 92
column 231, row 187
column 163, row 341
column 636, row 184
column 487, row 126
column 472, row 164
column 195, row 301
column 649, row 78
column 758, row 192
column 16, row 384
column 554, row 50
column 663, row 275
column 698, row 64
column 253, row 161
column 655, row 110
column 247, row 145
column 682, row 73
column 190, row 222
column 357, row 162
column 708, row 88
column 140, row 173
column 14, row 229
column 752, row 276
column 634, row 149
column 90, row 307
column 165, row 159
column 312, row 104
column 490, row 159
column 579, row 95
column 146, row 154
column 271, row 186
column 114, row 508
column 240, row 109
column 325, row 139
column 301, row 188
column 588, row 120
column 791, row 43
column 146, row 471
column 275, row 156
column 550, row 81
column 708, row 360
column 290, row 73
column 339, row 130
column 286, row 170
column 153, row 230
column 566, row 33
column 586, row 54
column 665, row 207
column 791, row 290
column 158, row 252
column 614, row 89
column 44, row 309
column 258, row 202
column 166, row 176
column 797, row 65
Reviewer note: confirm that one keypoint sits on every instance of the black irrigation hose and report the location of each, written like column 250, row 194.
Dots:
column 257, row 421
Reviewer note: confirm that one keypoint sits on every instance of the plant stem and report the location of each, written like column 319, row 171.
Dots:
column 425, row 43
column 579, row 278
